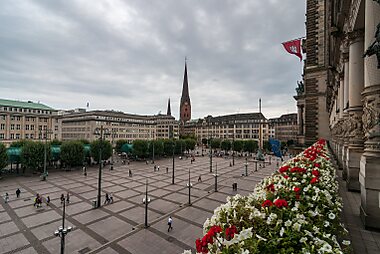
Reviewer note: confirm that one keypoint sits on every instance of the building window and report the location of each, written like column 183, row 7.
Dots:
column 26, row 136
column 27, row 127
column 18, row 127
column 12, row 136
column 17, row 136
column 31, row 136
column 12, row 126
column 2, row 126
column 1, row 136
column 32, row 127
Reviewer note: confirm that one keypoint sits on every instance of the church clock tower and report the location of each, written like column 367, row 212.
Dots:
column 185, row 106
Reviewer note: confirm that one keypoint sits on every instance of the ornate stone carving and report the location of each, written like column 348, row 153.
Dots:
column 355, row 127
column 370, row 118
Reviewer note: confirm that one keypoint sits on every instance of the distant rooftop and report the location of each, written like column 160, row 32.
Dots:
column 24, row 104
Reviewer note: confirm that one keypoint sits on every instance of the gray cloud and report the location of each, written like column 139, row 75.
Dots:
column 129, row 55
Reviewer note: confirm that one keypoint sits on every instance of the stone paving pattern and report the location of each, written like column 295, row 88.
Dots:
column 119, row 227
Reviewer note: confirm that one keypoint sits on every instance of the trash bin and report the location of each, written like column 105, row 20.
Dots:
column 94, row 203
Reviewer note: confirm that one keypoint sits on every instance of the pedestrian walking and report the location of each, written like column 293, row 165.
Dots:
column 62, row 198
column 170, row 223
column 110, row 198
column 18, row 192
column 48, row 200
column 107, row 200
column 154, row 168
column 68, row 197
column 167, row 170
column 6, row 197
column 84, row 171
column 158, row 168
column 130, row 172
column 199, row 179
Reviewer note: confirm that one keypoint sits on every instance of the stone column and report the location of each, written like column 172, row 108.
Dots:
column 370, row 160
column 355, row 110
column 340, row 102
column 345, row 56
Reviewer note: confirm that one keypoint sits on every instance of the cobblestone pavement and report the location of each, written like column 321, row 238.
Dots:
column 119, row 227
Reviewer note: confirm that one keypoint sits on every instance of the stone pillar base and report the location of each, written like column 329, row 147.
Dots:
column 370, row 191
column 353, row 168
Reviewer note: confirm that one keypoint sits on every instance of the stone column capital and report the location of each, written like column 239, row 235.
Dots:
column 355, row 36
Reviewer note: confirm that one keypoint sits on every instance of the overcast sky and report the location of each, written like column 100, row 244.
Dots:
column 129, row 55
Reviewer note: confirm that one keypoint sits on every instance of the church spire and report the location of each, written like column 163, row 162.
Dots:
column 185, row 106
column 185, row 86
column 169, row 111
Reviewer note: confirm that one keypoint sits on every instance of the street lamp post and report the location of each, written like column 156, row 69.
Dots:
column 62, row 231
column 146, row 201
column 113, row 134
column 45, row 174
column 216, row 177
column 189, row 185
column 173, row 163
column 210, row 157
column 153, row 151
column 246, row 166
column 101, row 132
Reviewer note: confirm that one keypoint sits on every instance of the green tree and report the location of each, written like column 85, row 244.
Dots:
column 32, row 155
column 215, row 143
column 158, row 147
column 55, row 142
column 190, row 144
column 180, row 146
column 250, row 146
column 225, row 145
column 238, row 145
column 119, row 144
column 84, row 141
column 140, row 148
column 3, row 156
column 267, row 146
column 19, row 143
column 106, row 149
column 168, row 146
column 72, row 153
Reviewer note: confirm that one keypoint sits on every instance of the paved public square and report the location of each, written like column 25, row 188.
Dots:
column 119, row 227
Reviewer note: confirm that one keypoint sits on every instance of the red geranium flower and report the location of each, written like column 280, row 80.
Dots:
column 267, row 203
column 315, row 173
column 314, row 180
column 230, row 232
column 297, row 189
column 270, row 187
column 280, row 203
column 317, row 165
column 286, row 176
column 283, row 169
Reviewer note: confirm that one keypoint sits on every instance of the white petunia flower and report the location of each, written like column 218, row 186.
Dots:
column 282, row 230
column 288, row 223
column 261, row 238
column 303, row 239
column 297, row 226
column 346, row 242
column 331, row 216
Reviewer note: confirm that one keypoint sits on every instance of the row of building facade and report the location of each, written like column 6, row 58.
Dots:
column 339, row 97
column 35, row 121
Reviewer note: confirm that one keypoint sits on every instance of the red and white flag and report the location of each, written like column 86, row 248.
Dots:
column 293, row 47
